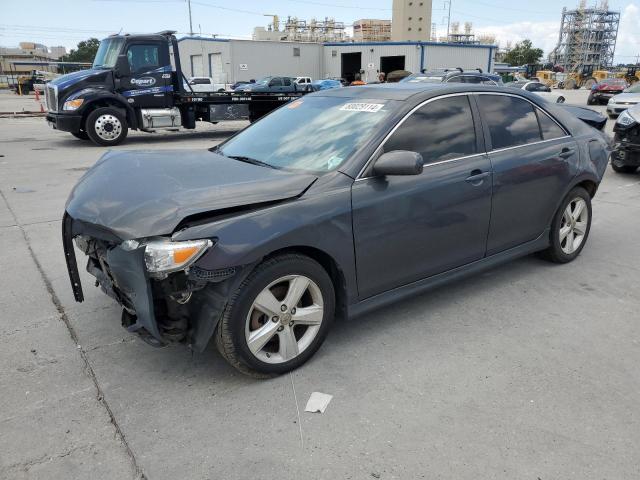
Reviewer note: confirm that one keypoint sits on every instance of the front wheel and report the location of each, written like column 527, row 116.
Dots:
column 621, row 168
column 570, row 227
column 278, row 317
column 107, row 126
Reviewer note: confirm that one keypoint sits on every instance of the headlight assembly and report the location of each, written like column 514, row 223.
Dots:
column 73, row 104
column 165, row 256
column 626, row 119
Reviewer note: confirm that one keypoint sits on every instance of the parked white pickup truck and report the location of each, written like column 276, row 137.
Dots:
column 206, row 84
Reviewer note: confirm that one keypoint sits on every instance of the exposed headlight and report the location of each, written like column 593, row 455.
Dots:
column 73, row 104
column 626, row 119
column 165, row 256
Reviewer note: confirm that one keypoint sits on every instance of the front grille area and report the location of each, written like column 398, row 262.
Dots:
column 51, row 98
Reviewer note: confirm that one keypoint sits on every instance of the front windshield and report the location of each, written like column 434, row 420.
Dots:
column 614, row 81
column 263, row 80
column 635, row 88
column 314, row 134
column 107, row 53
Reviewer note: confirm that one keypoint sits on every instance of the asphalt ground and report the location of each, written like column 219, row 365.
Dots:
column 528, row 371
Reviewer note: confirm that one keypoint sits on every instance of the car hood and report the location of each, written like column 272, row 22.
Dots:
column 64, row 81
column 137, row 194
column 626, row 97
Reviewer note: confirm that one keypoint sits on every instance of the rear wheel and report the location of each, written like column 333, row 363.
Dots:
column 106, row 126
column 278, row 317
column 570, row 227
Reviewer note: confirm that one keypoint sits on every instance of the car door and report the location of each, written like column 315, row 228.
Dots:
column 149, row 78
column 410, row 227
column 531, row 156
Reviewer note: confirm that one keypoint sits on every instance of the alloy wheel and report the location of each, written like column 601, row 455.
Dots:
column 108, row 127
column 573, row 226
column 284, row 319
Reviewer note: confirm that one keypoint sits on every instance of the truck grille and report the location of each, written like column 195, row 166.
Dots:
column 51, row 97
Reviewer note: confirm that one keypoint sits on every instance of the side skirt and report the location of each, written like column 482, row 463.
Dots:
column 434, row 281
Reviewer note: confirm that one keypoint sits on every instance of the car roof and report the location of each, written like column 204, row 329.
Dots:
column 407, row 90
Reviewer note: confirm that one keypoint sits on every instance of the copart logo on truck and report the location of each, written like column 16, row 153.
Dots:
column 144, row 81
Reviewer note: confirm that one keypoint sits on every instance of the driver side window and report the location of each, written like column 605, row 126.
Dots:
column 143, row 58
column 440, row 130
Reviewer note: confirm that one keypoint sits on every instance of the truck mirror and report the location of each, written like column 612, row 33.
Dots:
column 122, row 66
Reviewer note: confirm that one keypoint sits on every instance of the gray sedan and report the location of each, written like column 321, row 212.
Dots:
column 628, row 98
column 334, row 204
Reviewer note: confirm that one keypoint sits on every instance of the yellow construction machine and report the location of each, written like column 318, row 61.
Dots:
column 585, row 77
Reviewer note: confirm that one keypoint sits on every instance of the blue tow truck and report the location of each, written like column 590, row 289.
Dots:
column 136, row 82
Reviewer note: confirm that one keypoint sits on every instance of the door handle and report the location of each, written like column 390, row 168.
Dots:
column 477, row 177
column 566, row 152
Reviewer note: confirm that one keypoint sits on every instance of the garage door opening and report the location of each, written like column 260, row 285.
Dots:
column 351, row 65
column 389, row 64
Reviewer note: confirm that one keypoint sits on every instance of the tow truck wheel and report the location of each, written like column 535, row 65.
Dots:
column 106, row 126
column 82, row 135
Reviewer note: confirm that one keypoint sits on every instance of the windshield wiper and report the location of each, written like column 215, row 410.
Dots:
column 252, row 161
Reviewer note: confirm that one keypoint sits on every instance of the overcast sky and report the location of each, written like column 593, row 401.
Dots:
column 65, row 22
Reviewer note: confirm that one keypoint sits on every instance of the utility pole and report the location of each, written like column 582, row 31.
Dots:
column 190, row 23
column 448, row 19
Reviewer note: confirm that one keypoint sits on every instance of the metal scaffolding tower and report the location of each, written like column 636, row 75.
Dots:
column 587, row 38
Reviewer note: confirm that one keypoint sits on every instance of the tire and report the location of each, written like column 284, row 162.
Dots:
column 272, row 280
column 560, row 250
column 81, row 134
column 612, row 116
column 570, row 84
column 590, row 100
column 620, row 168
column 107, row 126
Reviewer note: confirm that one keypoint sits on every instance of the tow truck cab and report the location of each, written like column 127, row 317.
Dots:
column 136, row 82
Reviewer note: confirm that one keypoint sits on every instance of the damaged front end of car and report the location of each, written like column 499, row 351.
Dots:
column 626, row 152
column 154, row 280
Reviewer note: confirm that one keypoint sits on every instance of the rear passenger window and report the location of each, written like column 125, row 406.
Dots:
column 440, row 130
column 287, row 81
column 511, row 120
column 549, row 128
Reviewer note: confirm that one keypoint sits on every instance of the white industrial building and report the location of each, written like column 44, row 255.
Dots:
column 229, row 61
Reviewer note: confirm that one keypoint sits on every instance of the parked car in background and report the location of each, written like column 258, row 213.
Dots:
column 625, row 157
column 206, row 84
column 272, row 84
column 538, row 88
column 303, row 80
column 619, row 103
column 602, row 91
column 325, row 84
column 333, row 205
column 456, row 75
column 234, row 86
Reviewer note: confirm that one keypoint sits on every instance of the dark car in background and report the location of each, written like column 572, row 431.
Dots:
column 331, row 206
column 273, row 85
column 602, row 91
column 455, row 75
column 626, row 154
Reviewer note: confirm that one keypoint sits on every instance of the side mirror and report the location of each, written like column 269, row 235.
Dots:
column 398, row 162
column 122, row 66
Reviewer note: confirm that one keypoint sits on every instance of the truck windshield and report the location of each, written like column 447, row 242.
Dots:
column 314, row 134
column 107, row 53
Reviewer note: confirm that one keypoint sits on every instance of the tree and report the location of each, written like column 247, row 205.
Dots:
column 523, row 53
column 85, row 52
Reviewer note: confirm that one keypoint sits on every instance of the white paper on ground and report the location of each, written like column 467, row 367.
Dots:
column 318, row 402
